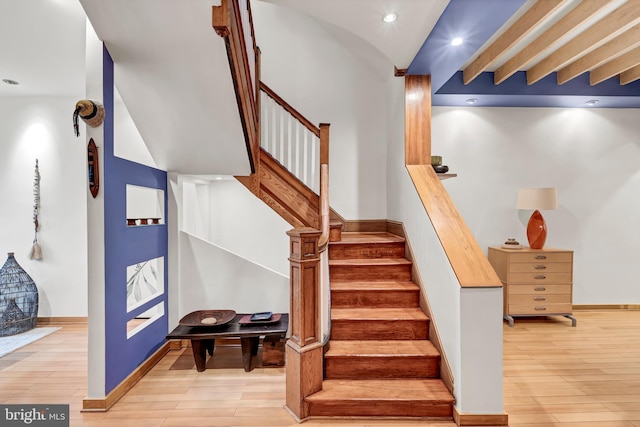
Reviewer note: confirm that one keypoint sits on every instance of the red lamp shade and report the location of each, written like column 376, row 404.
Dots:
column 536, row 230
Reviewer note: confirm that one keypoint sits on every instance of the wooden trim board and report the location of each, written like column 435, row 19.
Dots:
column 103, row 405
column 365, row 225
column 463, row 419
column 61, row 320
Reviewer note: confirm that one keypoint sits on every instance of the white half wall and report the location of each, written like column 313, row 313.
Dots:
column 41, row 128
column 468, row 321
column 592, row 156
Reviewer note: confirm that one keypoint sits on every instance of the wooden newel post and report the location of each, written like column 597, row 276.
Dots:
column 304, row 349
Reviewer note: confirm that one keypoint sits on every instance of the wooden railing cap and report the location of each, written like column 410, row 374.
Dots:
column 304, row 231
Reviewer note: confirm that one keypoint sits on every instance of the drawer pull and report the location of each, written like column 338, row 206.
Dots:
column 540, row 267
column 540, row 277
column 540, row 288
column 539, row 299
column 541, row 257
column 541, row 308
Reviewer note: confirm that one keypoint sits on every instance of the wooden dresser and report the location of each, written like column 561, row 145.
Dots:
column 537, row 282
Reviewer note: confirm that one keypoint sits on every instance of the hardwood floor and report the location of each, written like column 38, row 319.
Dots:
column 555, row 375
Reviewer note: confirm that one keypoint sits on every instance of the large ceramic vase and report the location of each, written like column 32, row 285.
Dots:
column 18, row 299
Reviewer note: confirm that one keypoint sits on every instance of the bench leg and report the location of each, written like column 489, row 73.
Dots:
column 199, row 348
column 249, row 349
column 210, row 344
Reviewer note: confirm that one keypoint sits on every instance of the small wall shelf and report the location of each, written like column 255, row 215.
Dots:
column 446, row 175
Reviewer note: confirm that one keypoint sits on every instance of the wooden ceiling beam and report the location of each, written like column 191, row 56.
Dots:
column 605, row 53
column 620, row 64
column 631, row 75
column 536, row 14
column 576, row 17
column 607, row 28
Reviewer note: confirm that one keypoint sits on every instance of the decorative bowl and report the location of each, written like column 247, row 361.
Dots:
column 440, row 168
column 208, row 318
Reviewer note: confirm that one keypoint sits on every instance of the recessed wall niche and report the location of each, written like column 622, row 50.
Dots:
column 145, row 319
column 145, row 281
column 145, row 206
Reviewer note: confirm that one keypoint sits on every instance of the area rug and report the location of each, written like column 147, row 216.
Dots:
column 14, row 342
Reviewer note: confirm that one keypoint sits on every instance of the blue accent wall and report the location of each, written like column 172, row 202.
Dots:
column 126, row 246
column 473, row 20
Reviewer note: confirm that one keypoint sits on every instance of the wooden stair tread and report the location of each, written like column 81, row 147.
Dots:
column 369, row 262
column 388, row 314
column 365, row 348
column 374, row 286
column 396, row 390
column 352, row 237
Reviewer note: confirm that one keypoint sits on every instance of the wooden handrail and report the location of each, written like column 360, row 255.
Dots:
column 467, row 259
column 302, row 119
column 227, row 22
column 324, row 207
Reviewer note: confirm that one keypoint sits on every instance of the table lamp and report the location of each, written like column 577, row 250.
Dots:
column 537, row 199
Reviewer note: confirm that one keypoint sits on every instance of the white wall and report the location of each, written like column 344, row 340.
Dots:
column 41, row 127
column 214, row 278
column 127, row 141
column 232, row 249
column 308, row 65
column 226, row 214
column 591, row 155
column 246, row 219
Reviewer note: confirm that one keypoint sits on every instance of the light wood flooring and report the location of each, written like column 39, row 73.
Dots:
column 554, row 375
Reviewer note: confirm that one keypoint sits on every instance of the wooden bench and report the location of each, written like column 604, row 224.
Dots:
column 203, row 337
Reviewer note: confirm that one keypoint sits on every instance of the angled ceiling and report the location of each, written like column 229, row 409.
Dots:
column 398, row 41
column 541, row 53
column 172, row 72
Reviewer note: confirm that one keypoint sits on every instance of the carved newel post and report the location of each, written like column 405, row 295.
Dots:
column 304, row 349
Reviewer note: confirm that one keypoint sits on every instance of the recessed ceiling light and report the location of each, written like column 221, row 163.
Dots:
column 10, row 82
column 591, row 102
column 390, row 17
column 457, row 41
column 471, row 101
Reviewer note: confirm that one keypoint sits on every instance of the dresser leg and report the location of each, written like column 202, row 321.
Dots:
column 509, row 319
column 573, row 319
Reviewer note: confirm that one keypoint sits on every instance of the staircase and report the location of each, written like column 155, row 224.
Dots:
column 380, row 362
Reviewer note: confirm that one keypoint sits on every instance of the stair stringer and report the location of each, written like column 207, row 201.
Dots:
column 284, row 193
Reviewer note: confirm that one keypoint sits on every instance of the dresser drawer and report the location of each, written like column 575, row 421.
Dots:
column 539, row 299
column 540, row 267
column 540, row 309
column 540, row 289
column 541, row 257
column 529, row 278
